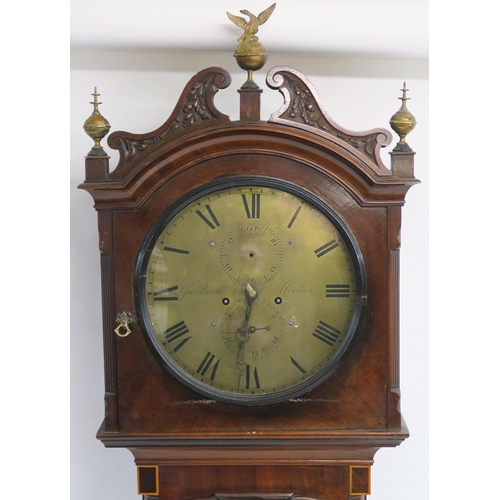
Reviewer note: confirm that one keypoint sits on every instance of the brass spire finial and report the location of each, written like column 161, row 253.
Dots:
column 403, row 122
column 250, row 54
column 96, row 127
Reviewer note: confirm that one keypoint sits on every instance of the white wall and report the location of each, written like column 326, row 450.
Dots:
column 138, row 92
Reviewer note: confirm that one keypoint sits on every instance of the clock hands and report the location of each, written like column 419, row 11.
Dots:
column 251, row 334
column 252, row 329
column 243, row 333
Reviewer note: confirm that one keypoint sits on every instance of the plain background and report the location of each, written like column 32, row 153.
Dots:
column 463, row 271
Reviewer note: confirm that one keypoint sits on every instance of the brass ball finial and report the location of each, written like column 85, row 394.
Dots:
column 96, row 127
column 403, row 122
column 250, row 54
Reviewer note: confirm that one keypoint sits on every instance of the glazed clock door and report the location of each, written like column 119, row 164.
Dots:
column 249, row 290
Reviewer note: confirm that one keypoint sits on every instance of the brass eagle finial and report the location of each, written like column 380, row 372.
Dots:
column 252, row 26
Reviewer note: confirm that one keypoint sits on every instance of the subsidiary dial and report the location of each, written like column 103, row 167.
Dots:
column 251, row 250
column 260, row 337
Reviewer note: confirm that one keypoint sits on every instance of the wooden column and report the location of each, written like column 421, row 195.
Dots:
column 250, row 104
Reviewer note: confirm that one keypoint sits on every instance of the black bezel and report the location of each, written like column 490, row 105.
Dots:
column 141, row 304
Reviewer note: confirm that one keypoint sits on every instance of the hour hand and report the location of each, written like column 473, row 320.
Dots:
column 243, row 333
column 250, row 296
column 250, row 293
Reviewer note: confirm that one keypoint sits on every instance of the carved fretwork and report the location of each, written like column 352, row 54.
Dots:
column 195, row 106
column 303, row 109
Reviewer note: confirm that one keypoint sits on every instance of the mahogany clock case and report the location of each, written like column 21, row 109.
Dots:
column 233, row 419
column 143, row 400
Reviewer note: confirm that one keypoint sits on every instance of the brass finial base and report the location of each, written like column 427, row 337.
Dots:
column 250, row 54
column 96, row 127
column 403, row 122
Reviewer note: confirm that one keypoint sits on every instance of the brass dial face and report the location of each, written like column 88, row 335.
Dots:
column 249, row 290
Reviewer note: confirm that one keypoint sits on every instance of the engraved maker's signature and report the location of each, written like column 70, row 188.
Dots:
column 290, row 287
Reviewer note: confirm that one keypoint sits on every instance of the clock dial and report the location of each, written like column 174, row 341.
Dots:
column 249, row 291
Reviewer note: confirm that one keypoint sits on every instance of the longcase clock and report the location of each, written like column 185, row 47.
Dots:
column 250, row 293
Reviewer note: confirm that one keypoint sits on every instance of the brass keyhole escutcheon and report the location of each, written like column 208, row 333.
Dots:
column 123, row 319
